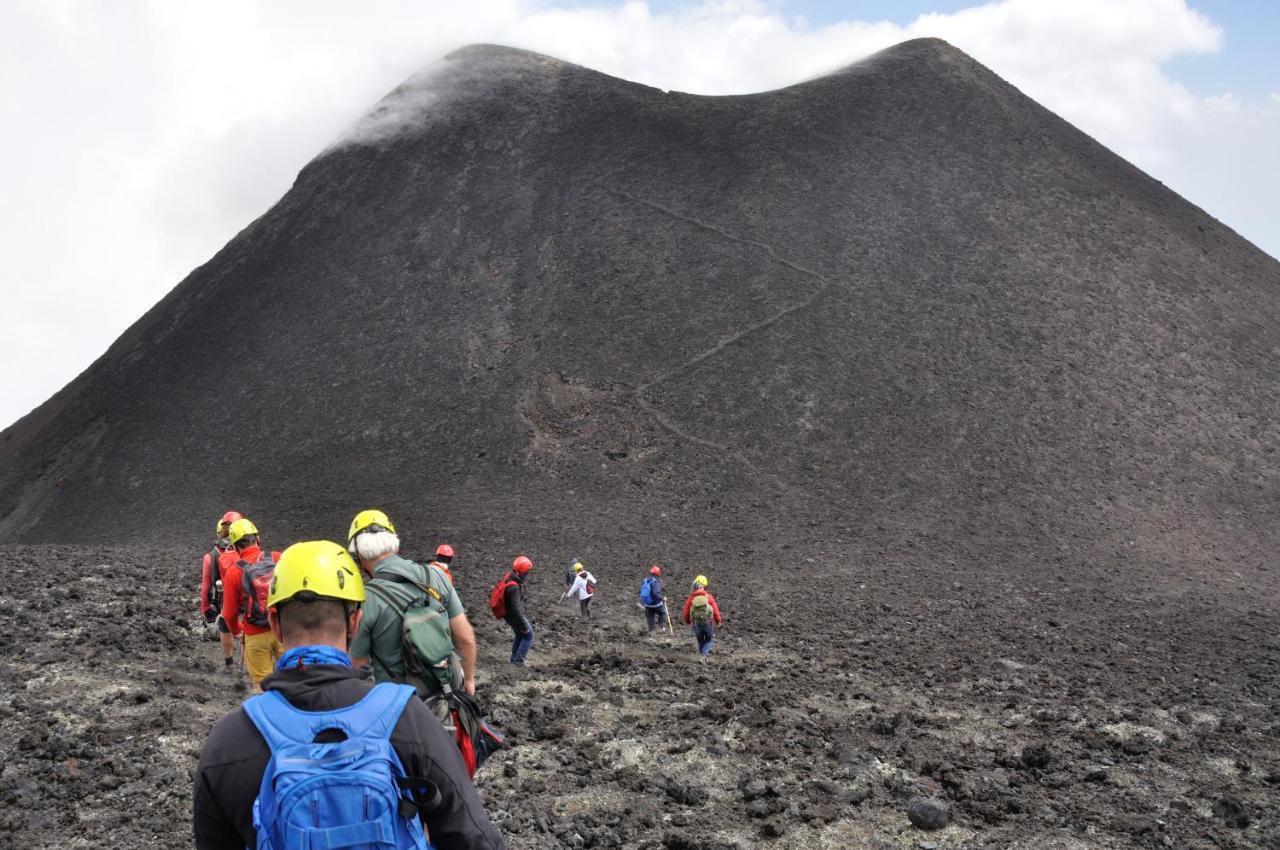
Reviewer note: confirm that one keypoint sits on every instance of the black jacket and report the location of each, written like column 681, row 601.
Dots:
column 235, row 756
column 514, row 596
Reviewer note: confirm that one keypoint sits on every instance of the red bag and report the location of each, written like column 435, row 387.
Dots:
column 255, row 588
column 476, row 739
column 498, row 596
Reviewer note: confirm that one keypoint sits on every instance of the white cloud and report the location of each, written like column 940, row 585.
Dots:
column 1227, row 102
column 141, row 136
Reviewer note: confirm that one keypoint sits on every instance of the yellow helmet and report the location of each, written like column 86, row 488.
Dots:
column 318, row 568
column 240, row 529
column 702, row 580
column 366, row 520
column 577, row 567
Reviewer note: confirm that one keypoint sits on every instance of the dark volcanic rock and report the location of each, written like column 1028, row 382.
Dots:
column 1036, row 756
column 1232, row 812
column 929, row 813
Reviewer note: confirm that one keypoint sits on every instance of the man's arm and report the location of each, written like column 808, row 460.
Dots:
column 687, row 604
column 464, row 640
column 226, row 782
column 231, row 599
column 213, row 829
column 206, row 587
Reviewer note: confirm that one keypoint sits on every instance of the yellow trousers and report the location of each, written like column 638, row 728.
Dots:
column 261, row 652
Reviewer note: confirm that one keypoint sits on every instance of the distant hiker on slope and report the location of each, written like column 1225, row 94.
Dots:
column 506, row 601
column 442, row 560
column 211, row 591
column 409, row 601
column 702, row 612
column 651, row 597
column 583, row 589
column 246, row 581
column 387, row 767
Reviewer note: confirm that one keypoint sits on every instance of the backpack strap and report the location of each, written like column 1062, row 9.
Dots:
column 375, row 715
column 427, row 588
column 385, row 596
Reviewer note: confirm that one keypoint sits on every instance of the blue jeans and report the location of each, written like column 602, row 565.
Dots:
column 705, row 633
column 655, row 617
column 520, row 644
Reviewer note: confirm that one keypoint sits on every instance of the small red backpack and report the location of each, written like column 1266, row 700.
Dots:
column 256, row 588
column 498, row 596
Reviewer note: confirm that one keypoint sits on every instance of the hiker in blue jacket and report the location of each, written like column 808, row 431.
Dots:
column 315, row 699
column 655, row 604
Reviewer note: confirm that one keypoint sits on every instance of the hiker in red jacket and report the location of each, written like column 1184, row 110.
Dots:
column 245, row 612
column 442, row 560
column 702, row 612
column 211, row 586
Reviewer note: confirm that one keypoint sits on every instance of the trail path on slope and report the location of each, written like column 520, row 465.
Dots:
column 824, row 283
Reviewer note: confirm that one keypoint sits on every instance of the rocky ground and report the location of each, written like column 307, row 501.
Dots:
column 1086, row 708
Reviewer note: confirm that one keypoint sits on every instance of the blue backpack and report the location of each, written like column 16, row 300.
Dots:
column 646, row 592
column 345, row 794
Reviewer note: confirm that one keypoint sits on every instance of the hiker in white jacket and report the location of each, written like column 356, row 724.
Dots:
column 582, row 589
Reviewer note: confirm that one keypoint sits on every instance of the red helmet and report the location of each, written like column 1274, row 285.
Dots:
column 655, row 570
column 521, row 565
column 227, row 518
column 444, row 550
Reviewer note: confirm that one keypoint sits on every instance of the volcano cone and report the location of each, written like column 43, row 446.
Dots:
column 523, row 298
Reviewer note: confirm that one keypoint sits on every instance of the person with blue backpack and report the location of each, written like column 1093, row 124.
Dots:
column 323, row 757
column 655, row 604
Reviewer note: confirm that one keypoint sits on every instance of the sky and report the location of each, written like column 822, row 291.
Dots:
column 139, row 136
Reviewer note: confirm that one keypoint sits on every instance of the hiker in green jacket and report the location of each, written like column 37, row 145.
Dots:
column 398, row 588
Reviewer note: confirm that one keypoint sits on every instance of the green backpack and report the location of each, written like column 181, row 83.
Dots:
column 700, row 610
column 426, row 639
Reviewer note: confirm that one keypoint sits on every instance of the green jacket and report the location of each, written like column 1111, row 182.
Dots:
column 379, row 635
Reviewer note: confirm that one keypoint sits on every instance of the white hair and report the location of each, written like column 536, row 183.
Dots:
column 372, row 545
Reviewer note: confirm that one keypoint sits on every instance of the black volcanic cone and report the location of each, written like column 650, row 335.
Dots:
column 529, row 302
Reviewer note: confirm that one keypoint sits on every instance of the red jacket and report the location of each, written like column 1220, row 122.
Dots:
column 233, row 601
column 711, row 600
column 207, row 577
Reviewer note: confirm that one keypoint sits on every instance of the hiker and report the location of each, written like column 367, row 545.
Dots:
column 442, row 560
column 582, row 589
column 702, row 612
column 211, row 587
column 398, row 773
column 655, row 604
column 399, row 588
column 506, row 600
column 246, row 578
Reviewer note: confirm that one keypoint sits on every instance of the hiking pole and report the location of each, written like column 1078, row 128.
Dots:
column 667, row 612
